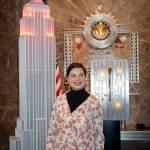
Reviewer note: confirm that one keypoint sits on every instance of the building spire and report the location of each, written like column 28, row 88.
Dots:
column 37, row 1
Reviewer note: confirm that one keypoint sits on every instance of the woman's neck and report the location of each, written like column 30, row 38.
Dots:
column 76, row 98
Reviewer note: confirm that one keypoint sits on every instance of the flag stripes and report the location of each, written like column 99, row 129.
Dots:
column 58, row 82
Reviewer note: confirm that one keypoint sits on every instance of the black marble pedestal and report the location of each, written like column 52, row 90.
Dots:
column 112, row 135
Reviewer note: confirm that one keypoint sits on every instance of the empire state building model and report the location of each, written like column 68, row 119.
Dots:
column 37, row 52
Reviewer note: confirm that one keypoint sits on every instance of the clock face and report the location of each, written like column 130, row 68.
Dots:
column 100, row 31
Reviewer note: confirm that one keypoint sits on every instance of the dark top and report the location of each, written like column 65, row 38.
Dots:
column 76, row 98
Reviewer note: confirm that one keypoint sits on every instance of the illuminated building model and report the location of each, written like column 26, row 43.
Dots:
column 37, row 50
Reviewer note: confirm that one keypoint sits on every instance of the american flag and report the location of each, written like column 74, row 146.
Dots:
column 58, row 82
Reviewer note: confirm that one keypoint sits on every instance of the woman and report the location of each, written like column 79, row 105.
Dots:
column 76, row 121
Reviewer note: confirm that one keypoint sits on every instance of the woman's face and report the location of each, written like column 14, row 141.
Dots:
column 77, row 79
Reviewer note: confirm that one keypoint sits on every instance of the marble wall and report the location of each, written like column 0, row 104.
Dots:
column 133, row 14
column 10, row 12
column 70, row 15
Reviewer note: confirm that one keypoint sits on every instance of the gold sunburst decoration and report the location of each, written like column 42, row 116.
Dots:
column 100, row 29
